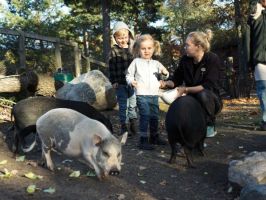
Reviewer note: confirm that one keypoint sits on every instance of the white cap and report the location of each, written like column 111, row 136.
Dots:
column 121, row 25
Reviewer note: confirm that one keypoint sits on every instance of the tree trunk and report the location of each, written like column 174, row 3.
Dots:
column 243, row 84
column 26, row 82
column 106, row 29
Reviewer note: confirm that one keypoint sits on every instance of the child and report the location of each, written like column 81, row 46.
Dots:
column 119, row 61
column 142, row 74
column 175, row 46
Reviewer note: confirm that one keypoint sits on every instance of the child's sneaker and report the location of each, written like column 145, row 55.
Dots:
column 211, row 132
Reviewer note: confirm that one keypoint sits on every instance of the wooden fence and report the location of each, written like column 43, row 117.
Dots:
column 57, row 43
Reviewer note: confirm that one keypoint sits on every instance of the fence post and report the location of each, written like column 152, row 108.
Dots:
column 21, row 50
column 77, row 59
column 58, row 60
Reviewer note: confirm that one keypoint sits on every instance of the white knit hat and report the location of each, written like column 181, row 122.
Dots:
column 121, row 25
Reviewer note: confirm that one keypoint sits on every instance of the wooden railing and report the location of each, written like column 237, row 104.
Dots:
column 57, row 42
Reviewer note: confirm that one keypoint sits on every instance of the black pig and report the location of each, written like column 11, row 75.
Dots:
column 186, row 124
column 27, row 111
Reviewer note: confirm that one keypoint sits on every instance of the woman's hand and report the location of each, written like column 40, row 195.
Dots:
column 162, row 84
column 134, row 84
column 181, row 90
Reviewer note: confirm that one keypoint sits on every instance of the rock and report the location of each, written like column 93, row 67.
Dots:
column 250, row 170
column 93, row 88
column 257, row 192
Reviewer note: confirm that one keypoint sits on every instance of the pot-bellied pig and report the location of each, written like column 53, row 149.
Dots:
column 27, row 111
column 73, row 134
column 186, row 124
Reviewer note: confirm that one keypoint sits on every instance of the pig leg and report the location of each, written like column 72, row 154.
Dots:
column 173, row 153
column 189, row 157
column 88, row 157
column 46, row 152
column 16, row 143
column 201, row 148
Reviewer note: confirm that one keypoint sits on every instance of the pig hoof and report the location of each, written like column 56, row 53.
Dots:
column 192, row 166
column 171, row 161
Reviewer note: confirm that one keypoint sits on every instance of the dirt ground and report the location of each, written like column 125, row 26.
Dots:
column 145, row 175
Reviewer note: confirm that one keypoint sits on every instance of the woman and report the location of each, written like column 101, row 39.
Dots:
column 198, row 75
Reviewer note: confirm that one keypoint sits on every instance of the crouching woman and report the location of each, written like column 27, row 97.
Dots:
column 198, row 76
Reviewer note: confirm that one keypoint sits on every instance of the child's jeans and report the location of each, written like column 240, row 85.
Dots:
column 127, row 103
column 261, row 92
column 149, row 114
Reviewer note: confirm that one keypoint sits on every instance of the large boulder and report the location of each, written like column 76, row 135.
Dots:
column 249, row 171
column 256, row 192
column 92, row 87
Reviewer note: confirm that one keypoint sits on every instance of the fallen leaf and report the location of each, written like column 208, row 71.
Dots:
column 163, row 183
column 139, row 153
column 3, row 162
column 230, row 189
column 91, row 173
column 33, row 176
column 75, row 174
column 49, row 190
column 67, row 160
column 20, row 158
column 121, row 196
column 31, row 189
column 5, row 174
column 142, row 167
column 139, row 174
column 143, row 182
column 14, row 172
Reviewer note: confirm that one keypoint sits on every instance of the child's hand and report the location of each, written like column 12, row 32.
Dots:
column 134, row 84
column 165, row 72
column 162, row 84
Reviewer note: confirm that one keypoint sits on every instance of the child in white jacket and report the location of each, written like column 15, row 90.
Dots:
column 144, row 74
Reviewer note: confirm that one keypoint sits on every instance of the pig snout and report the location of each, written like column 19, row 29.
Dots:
column 114, row 172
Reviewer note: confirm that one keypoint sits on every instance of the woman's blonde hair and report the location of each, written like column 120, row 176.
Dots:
column 142, row 38
column 202, row 39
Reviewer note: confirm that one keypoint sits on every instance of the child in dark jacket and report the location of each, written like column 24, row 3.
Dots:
column 119, row 61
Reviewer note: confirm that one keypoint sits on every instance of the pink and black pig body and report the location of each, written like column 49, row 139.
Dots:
column 75, row 135
column 186, row 124
column 27, row 111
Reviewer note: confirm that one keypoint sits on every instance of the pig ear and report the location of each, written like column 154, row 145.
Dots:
column 97, row 140
column 123, row 138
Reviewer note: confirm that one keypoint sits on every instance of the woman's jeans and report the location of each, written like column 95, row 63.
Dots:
column 261, row 92
column 149, row 114
column 211, row 103
column 126, row 99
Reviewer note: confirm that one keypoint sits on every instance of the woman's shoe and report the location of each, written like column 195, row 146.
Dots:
column 211, row 132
